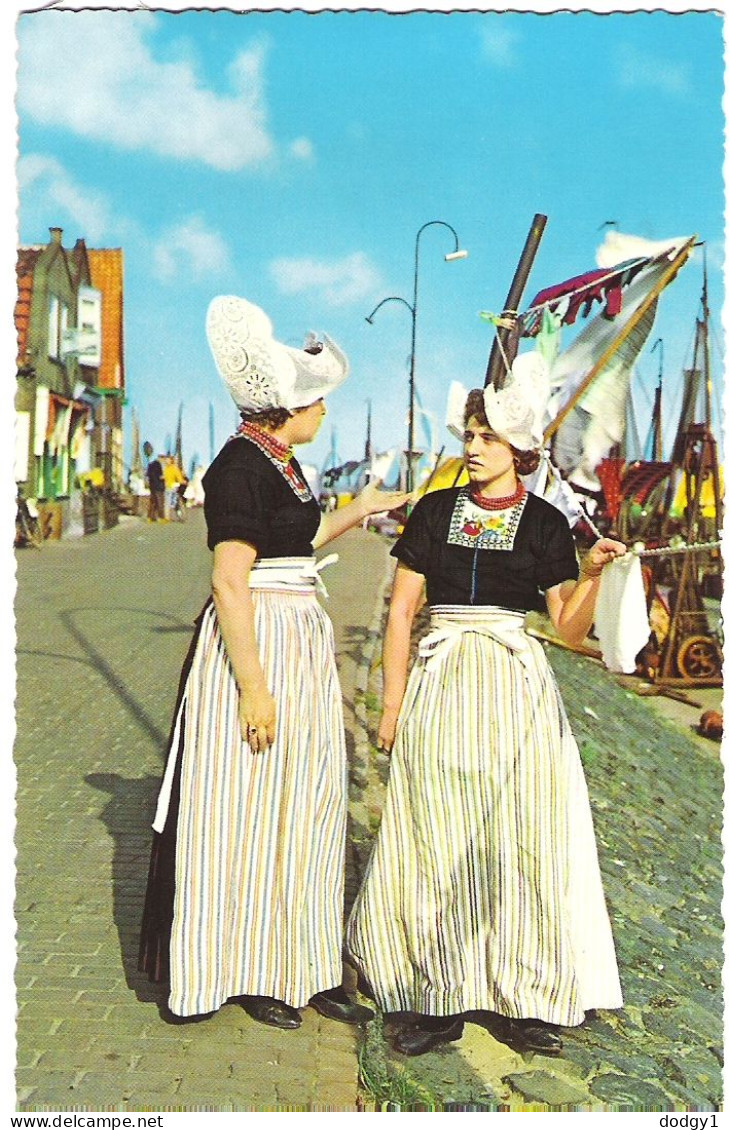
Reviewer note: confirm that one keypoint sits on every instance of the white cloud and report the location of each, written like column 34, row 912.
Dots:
column 339, row 282
column 50, row 190
column 47, row 190
column 638, row 69
column 190, row 248
column 95, row 73
column 302, row 148
column 497, row 44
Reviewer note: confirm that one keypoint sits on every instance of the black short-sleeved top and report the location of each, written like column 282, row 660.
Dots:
column 473, row 556
column 248, row 499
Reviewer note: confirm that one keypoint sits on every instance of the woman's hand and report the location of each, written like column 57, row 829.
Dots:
column 368, row 501
column 376, row 501
column 386, row 731
column 602, row 553
column 257, row 714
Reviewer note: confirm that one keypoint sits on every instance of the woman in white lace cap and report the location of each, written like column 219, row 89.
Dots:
column 245, row 891
column 483, row 893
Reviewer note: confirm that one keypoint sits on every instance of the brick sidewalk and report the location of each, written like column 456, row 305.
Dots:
column 103, row 625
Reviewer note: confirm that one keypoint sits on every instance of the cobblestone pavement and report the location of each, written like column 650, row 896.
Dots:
column 103, row 625
column 656, row 793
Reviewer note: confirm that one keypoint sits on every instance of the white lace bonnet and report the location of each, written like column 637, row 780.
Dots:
column 517, row 411
column 260, row 372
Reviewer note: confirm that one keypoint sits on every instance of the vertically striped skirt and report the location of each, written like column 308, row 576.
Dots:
column 483, row 890
column 256, row 840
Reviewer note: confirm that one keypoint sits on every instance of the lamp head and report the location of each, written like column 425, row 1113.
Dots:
column 460, row 254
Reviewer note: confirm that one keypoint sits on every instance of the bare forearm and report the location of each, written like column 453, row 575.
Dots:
column 338, row 521
column 234, row 608
column 371, row 500
column 578, row 610
column 572, row 604
column 407, row 594
column 395, row 658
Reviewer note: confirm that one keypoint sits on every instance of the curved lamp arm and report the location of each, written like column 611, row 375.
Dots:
column 390, row 298
column 457, row 253
column 442, row 224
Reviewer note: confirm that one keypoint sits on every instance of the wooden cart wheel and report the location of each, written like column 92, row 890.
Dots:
column 698, row 658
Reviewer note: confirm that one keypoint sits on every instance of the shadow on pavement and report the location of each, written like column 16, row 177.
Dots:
column 128, row 815
column 112, row 679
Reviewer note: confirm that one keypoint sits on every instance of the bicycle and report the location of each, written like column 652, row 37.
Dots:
column 179, row 505
column 28, row 530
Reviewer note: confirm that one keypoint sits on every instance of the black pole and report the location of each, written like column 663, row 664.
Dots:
column 506, row 339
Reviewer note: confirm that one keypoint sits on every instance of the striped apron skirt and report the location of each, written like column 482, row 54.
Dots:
column 255, row 841
column 483, row 890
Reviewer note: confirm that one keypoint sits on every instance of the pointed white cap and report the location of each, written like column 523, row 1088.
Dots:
column 260, row 372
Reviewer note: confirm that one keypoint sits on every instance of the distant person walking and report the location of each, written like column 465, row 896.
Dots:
column 173, row 477
column 156, row 484
column 245, row 894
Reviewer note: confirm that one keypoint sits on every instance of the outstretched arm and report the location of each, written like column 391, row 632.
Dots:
column 571, row 605
column 407, row 595
column 370, row 501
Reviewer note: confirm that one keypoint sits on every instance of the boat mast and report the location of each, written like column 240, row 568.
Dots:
column 705, row 342
column 718, row 502
column 657, row 420
column 368, row 435
column 694, row 449
column 506, row 342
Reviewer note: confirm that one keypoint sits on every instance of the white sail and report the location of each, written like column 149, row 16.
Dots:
column 381, row 464
column 597, row 422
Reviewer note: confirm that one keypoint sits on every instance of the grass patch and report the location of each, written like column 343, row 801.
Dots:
column 589, row 752
column 384, row 1084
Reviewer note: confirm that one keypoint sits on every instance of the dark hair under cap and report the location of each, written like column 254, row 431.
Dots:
column 268, row 417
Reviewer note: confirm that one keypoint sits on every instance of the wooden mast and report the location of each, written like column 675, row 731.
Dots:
column 718, row 503
column 368, row 435
column 691, row 646
column 656, row 428
column 506, row 339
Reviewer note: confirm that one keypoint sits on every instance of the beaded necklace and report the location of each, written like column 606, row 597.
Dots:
column 282, row 452
column 498, row 503
column 280, row 455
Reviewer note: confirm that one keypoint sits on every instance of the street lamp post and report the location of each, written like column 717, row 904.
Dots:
column 457, row 253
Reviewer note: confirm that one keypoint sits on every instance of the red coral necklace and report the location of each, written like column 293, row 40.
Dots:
column 498, row 503
column 280, row 455
column 269, row 443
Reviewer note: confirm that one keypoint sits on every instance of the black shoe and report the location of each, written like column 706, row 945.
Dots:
column 418, row 1038
column 535, row 1036
column 336, row 1005
column 268, row 1010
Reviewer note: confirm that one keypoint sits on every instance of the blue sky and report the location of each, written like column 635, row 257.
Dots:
column 292, row 157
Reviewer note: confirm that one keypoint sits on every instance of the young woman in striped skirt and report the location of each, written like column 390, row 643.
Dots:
column 245, row 891
column 483, row 892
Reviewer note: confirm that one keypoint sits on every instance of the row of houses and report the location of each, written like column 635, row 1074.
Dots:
column 70, row 391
